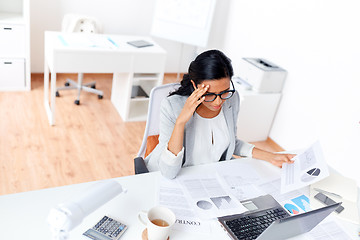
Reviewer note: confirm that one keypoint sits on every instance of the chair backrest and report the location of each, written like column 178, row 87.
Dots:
column 157, row 94
column 80, row 23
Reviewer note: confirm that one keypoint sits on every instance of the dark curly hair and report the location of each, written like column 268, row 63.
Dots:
column 209, row 65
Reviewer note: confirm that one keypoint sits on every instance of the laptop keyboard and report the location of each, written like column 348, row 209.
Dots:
column 252, row 225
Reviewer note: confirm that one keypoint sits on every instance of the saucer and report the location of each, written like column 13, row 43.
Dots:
column 144, row 235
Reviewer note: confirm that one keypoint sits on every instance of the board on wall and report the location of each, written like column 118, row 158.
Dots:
column 185, row 21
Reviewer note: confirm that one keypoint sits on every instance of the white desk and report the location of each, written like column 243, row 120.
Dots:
column 129, row 64
column 30, row 209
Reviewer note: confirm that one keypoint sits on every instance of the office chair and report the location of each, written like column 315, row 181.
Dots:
column 151, row 134
column 84, row 24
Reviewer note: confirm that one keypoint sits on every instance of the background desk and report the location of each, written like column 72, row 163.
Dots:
column 23, row 215
column 130, row 65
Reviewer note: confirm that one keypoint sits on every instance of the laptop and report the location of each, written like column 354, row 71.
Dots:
column 267, row 220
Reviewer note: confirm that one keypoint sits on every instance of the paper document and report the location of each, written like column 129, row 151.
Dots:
column 241, row 178
column 209, row 197
column 295, row 202
column 86, row 40
column 171, row 195
column 308, row 167
column 328, row 230
column 273, row 188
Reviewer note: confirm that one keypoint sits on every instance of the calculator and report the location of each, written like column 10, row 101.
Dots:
column 106, row 229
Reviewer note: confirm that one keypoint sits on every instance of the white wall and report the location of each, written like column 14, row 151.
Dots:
column 132, row 17
column 317, row 42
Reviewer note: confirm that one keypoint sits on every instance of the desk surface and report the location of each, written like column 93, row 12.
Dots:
column 95, row 53
column 23, row 215
column 61, row 41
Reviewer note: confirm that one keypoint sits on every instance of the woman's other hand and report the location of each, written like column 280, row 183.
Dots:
column 278, row 159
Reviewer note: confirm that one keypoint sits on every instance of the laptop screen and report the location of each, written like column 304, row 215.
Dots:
column 297, row 224
column 267, row 219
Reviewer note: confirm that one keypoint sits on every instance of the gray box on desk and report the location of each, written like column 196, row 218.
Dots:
column 263, row 75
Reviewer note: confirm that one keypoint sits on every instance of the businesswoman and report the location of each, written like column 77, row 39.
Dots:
column 198, row 121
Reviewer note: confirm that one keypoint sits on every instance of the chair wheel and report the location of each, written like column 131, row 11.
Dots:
column 77, row 102
column 57, row 94
column 67, row 84
column 93, row 86
column 100, row 96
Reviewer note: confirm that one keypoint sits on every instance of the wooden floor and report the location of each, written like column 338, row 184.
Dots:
column 89, row 142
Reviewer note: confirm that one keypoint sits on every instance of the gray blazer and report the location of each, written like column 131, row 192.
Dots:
column 170, row 110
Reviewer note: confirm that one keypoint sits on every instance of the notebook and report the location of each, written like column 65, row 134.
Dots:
column 267, row 220
column 140, row 43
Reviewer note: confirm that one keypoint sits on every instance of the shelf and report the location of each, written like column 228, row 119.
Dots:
column 146, row 76
column 138, row 110
column 138, row 106
column 11, row 18
column 140, row 99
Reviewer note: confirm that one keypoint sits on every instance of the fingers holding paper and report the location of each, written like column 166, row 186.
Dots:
column 278, row 159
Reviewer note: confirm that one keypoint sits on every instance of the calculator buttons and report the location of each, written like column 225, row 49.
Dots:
column 106, row 229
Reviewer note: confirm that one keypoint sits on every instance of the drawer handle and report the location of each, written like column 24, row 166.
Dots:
column 7, row 28
column 7, row 62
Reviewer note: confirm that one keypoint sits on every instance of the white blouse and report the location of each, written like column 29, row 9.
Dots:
column 211, row 139
column 218, row 131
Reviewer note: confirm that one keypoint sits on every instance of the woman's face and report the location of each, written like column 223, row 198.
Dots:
column 216, row 86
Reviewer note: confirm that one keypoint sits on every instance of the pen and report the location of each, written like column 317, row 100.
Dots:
column 114, row 43
column 326, row 192
column 63, row 40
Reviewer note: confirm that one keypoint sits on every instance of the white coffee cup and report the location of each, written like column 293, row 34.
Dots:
column 158, row 221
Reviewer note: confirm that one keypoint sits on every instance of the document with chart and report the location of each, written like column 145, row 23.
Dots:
column 308, row 167
column 171, row 195
column 209, row 197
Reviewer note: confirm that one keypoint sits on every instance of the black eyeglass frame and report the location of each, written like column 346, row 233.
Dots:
column 221, row 93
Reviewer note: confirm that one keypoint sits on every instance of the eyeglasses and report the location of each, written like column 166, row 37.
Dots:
column 210, row 97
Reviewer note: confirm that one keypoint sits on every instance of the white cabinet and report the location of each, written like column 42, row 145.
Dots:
column 12, row 40
column 12, row 73
column 256, row 115
column 14, row 45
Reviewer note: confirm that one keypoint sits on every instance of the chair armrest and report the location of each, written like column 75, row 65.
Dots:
column 140, row 166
